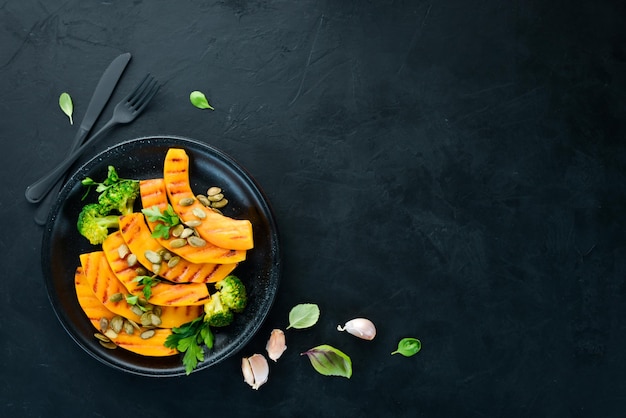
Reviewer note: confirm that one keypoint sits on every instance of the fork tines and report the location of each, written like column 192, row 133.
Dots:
column 143, row 93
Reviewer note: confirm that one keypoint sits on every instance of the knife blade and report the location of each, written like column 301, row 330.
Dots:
column 99, row 99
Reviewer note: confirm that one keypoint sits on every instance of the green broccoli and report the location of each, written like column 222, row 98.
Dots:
column 233, row 293
column 216, row 314
column 120, row 196
column 94, row 222
column 115, row 193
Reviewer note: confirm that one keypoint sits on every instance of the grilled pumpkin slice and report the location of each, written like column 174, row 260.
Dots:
column 139, row 240
column 153, row 193
column 162, row 293
column 95, row 310
column 223, row 231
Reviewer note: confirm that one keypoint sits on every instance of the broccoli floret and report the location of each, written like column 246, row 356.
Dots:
column 115, row 193
column 120, row 196
column 216, row 314
column 94, row 223
column 233, row 293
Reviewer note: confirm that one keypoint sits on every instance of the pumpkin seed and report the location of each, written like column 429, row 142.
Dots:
column 156, row 268
column 123, row 251
column 146, row 318
column 167, row 256
column 196, row 241
column 147, row 334
column 177, row 230
column 213, row 191
column 152, row 256
column 141, row 271
column 134, row 324
column 203, row 199
column 116, row 297
column 111, row 334
column 186, row 201
column 136, row 310
column 108, row 344
column 199, row 213
column 117, row 323
column 187, row 232
column 174, row 261
column 216, row 197
column 129, row 328
column 193, row 223
column 101, row 337
column 104, row 324
column 178, row 243
column 219, row 204
column 131, row 260
column 155, row 319
column 157, row 310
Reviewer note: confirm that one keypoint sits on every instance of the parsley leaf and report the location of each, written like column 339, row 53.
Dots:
column 168, row 218
column 147, row 282
column 189, row 339
column 134, row 300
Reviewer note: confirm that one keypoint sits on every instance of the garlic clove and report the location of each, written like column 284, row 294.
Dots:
column 255, row 370
column 276, row 344
column 359, row 327
column 246, row 369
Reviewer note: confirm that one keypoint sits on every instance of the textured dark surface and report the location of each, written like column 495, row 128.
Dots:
column 452, row 170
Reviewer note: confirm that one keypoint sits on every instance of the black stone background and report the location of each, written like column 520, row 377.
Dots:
column 452, row 170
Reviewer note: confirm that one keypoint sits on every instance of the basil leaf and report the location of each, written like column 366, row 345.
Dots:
column 65, row 102
column 408, row 347
column 303, row 315
column 329, row 361
column 198, row 99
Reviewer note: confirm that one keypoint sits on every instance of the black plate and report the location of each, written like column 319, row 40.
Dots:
column 143, row 158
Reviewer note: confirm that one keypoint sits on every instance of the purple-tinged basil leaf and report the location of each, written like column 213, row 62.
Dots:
column 329, row 361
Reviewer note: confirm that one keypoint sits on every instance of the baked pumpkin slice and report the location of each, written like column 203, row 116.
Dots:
column 223, row 231
column 95, row 311
column 140, row 242
column 154, row 194
column 104, row 284
column 115, row 276
column 162, row 293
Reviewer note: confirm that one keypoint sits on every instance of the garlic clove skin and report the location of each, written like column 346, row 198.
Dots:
column 359, row 327
column 276, row 344
column 255, row 370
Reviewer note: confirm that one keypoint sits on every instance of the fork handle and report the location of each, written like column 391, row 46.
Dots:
column 38, row 190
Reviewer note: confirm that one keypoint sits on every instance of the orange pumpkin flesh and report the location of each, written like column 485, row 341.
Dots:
column 95, row 310
column 225, row 232
column 138, row 238
column 153, row 193
column 163, row 293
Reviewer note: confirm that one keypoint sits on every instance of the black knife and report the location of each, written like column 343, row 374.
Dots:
column 99, row 99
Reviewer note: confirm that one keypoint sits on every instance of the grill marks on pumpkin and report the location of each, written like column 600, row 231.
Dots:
column 153, row 193
column 220, row 230
column 136, row 234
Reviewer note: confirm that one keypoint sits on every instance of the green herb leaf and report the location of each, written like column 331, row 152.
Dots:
column 134, row 300
column 65, row 102
column 188, row 339
column 408, row 347
column 168, row 219
column 147, row 282
column 329, row 361
column 198, row 99
column 303, row 315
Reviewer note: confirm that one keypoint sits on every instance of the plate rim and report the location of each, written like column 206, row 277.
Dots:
column 160, row 140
